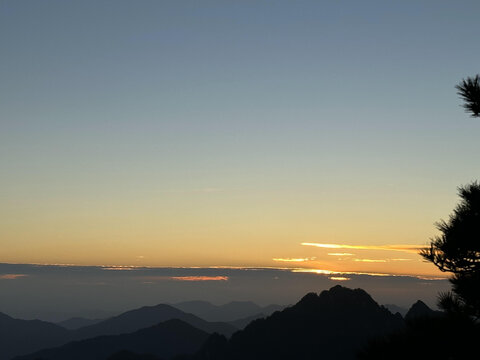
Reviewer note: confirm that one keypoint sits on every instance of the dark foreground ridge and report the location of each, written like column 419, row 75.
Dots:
column 164, row 340
column 334, row 324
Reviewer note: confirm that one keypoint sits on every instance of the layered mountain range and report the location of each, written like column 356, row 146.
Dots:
column 19, row 337
column 334, row 324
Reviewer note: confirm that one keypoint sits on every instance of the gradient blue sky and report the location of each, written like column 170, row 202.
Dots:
column 181, row 133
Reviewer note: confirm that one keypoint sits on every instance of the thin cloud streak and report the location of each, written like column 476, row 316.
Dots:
column 340, row 254
column 293, row 259
column 199, row 278
column 339, row 278
column 400, row 259
column 404, row 248
column 331, row 272
column 150, row 279
column 120, row 268
column 12, row 276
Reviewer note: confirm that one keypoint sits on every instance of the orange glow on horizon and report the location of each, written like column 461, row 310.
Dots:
column 404, row 248
column 332, row 272
column 185, row 278
column 339, row 278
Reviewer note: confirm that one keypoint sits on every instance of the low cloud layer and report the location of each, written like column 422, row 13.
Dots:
column 185, row 278
column 54, row 292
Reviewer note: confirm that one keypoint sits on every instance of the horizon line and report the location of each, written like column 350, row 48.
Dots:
column 246, row 268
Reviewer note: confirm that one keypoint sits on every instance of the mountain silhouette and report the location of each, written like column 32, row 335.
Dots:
column 146, row 316
column 421, row 310
column 25, row 336
column 228, row 312
column 165, row 340
column 334, row 324
column 20, row 337
column 395, row 308
column 338, row 323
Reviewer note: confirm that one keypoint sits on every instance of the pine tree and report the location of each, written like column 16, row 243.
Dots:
column 457, row 250
column 469, row 91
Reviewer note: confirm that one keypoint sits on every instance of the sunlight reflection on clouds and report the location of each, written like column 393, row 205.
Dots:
column 404, row 248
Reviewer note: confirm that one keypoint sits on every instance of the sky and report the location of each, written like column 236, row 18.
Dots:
column 276, row 134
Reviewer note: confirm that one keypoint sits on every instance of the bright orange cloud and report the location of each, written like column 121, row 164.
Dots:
column 317, row 271
column 331, row 272
column 339, row 278
column 12, row 276
column 404, row 248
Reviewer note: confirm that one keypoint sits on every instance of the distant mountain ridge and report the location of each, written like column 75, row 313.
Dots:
column 229, row 312
column 165, row 340
column 75, row 323
column 420, row 310
column 148, row 316
column 24, row 336
column 243, row 322
column 21, row 337
column 395, row 308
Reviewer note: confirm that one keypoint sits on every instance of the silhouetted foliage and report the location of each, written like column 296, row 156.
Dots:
column 453, row 335
column 439, row 338
column 469, row 91
column 457, row 250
